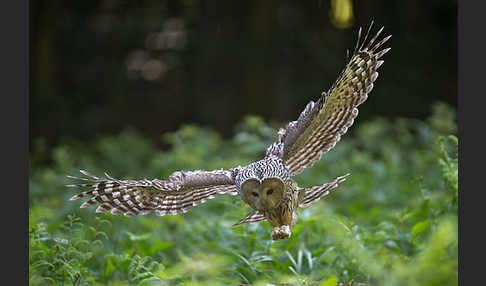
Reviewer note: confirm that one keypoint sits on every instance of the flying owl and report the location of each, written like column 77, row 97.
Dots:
column 266, row 185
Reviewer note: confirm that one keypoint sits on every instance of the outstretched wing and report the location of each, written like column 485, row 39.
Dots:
column 182, row 191
column 321, row 124
column 308, row 196
column 254, row 216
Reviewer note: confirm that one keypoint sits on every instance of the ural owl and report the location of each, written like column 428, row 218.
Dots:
column 266, row 185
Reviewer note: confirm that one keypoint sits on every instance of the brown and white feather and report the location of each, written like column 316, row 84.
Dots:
column 254, row 216
column 307, row 196
column 321, row 124
column 182, row 191
column 300, row 144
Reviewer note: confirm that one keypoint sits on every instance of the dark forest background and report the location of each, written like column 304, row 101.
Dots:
column 98, row 67
column 140, row 89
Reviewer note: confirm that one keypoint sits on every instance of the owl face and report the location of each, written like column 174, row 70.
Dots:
column 262, row 194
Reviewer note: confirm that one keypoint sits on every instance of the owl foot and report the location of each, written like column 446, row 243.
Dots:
column 280, row 232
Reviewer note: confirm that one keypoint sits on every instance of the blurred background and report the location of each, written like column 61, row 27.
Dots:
column 98, row 67
column 141, row 89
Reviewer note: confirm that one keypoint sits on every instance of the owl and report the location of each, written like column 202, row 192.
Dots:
column 266, row 185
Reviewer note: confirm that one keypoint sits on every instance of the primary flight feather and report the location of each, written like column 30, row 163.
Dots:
column 266, row 185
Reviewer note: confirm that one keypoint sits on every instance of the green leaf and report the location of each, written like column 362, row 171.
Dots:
column 332, row 281
column 159, row 246
column 134, row 237
column 419, row 228
column 109, row 267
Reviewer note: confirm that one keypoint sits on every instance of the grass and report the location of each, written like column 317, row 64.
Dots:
column 393, row 222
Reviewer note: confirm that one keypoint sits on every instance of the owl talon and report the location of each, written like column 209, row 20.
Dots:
column 281, row 232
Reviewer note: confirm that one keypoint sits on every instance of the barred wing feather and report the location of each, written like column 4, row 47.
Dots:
column 254, row 216
column 182, row 191
column 321, row 124
column 311, row 195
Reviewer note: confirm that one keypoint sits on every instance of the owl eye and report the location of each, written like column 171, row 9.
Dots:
column 255, row 194
column 269, row 192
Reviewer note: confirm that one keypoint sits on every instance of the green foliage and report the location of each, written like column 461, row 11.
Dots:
column 57, row 259
column 393, row 222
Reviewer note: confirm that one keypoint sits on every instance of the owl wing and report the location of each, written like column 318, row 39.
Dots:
column 307, row 196
column 321, row 124
column 182, row 191
column 254, row 216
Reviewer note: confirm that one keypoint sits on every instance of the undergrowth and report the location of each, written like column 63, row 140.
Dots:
column 393, row 222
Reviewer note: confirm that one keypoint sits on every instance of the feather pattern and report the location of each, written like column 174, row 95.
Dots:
column 254, row 216
column 307, row 196
column 266, row 185
column 321, row 124
column 182, row 191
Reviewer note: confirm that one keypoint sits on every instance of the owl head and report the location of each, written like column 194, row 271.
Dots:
column 262, row 194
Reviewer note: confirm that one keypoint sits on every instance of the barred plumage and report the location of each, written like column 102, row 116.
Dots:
column 182, row 191
column 311, row 195
column 254, row 216
column 268, row 167
column 321, row 124
column 266, row 185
